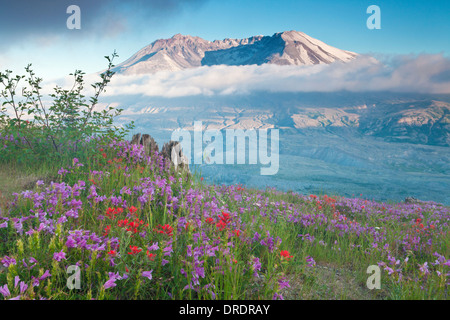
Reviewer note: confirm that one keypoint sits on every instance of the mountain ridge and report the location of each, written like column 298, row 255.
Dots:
column 184, row 51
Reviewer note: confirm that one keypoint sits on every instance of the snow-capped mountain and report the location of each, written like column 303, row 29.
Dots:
column 181, row 52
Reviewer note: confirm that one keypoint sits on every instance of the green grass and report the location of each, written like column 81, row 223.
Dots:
column 15, row 178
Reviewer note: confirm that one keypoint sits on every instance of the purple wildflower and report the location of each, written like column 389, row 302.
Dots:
column 4, row 291
column 310, row 261
column 283, row 283
column 58, row 256
column 7, row 261
column 277, row 296
column 147, row 274
column 45, row 275
column 110, row 283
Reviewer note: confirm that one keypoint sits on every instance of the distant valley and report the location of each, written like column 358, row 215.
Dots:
column 384, row 145
column 401, row 118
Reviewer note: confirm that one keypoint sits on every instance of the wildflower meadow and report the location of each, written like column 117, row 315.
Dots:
column 129, row 226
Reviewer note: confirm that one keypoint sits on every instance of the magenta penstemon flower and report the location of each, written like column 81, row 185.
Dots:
column 168, row 250
column 76, row 163
column 71, row 243
column 147, row 274
column 153, row 247
column 7, row 261
column 45, row 275
column 283, row 283
column 255, row 266
column 389, row 270
column 58, row 256
column 310, row 261
column 424, row 269
column 110, row 283
column 164, row 262
column 16, row 281
column 115, row 276
column 23, row 287
column 34, row 281
column 277, row 296
column 4, row 291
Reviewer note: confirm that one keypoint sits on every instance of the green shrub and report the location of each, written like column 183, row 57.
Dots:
column 30, row 131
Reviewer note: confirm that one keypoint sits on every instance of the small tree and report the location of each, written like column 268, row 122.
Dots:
column 33, row 130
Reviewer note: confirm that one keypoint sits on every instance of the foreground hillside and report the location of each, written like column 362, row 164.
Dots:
column 136, row 228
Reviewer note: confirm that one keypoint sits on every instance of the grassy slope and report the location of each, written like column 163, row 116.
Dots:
column 327, row 282
column 15, row 179
column 339, row 274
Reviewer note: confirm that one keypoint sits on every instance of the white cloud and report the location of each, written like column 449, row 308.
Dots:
column 3, row 62
column 421, row 74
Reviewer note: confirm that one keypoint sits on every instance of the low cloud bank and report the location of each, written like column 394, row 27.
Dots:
column 424, row 73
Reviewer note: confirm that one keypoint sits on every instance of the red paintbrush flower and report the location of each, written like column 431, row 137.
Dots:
column 225, row 217
column 166, row 229
column 132, row 209
column 221, row 225
column 134, row 250
column 285, row 255
column 151, row 256
column 107, row 230
column 122, row 223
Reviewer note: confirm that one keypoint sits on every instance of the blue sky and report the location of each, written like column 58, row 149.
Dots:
column 409, row 27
